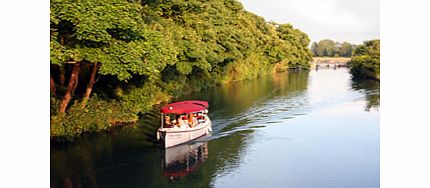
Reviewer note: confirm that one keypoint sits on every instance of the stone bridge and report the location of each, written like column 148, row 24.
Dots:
column 319, row 62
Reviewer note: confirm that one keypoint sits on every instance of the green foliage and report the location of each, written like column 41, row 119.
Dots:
column 329, row 48
column 140, row 99
column 151, row 50
column 345, row 49
column 298, row 55
column 365, row 62
column 99, row 115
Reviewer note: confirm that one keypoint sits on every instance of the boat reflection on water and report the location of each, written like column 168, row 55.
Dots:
column 181, row 160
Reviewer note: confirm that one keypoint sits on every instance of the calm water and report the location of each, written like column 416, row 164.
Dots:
column 296, row 129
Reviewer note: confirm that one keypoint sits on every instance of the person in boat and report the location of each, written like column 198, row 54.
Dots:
column 195, row 119
column 174, row 122
column 182, row 121
column 200, row 118
column 167, row 122
column 192, row 120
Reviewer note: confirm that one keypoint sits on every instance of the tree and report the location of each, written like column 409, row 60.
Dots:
column 129, row 55
column 331, row 48
column 88, row 33
column 328, row 47
column 315, row 49
column 345, row 49
column 365, row 63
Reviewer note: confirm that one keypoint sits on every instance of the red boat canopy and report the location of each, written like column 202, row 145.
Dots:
column 184, row 107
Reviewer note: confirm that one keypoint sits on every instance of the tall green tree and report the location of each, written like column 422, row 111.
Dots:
column 316, row 50
column 330, row 48
column 345, row 50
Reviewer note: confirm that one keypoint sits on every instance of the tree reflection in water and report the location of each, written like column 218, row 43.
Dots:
column 371, row 89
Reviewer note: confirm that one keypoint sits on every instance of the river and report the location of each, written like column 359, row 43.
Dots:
column 313, row 128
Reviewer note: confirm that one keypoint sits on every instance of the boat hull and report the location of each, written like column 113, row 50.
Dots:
column 175, row 136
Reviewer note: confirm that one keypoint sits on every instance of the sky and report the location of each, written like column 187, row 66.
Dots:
column 353, row 21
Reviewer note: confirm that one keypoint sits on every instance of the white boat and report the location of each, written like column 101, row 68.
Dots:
column 190, row 121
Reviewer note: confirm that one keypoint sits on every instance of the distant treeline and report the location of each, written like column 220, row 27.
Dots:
column 329, row 48
column 114, row 59
column 365, row 63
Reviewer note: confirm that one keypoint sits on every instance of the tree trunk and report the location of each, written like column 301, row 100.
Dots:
column 52, row 86
column 62, row 75
column 73, row 82
column 90, row 85
column 62, row 68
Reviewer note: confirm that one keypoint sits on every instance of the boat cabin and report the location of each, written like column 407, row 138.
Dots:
column 185, row 114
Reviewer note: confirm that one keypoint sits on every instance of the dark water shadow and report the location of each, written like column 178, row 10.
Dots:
column 371, row 89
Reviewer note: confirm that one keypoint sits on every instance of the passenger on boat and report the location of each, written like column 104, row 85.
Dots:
column 174, row 122
column 167, row 122
column 192, row 120
column 200, row 118
column 181, row 121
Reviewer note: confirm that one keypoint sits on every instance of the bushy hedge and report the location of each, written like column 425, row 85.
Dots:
column 365, row 63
